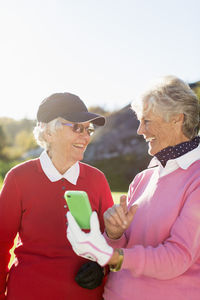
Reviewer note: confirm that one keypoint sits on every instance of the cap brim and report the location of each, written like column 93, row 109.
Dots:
column 80, row 117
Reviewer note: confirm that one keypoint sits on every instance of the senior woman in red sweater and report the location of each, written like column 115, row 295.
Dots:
column 32, row 205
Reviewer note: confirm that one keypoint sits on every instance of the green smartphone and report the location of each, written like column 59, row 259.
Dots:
column 79, row 206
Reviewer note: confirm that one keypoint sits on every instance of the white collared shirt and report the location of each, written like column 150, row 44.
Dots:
column 182, row 162
column 52, row 173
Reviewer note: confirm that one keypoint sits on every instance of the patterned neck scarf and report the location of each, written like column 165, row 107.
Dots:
column 173, row 152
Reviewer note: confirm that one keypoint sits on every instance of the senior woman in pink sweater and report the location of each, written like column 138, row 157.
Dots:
column 152, row 239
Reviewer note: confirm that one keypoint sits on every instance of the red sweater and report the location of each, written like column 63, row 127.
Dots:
column 34, row 207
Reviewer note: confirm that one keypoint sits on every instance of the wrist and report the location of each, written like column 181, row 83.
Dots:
column 116, row 260
column 113, row 236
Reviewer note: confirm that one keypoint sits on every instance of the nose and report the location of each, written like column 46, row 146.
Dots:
column 141, row 129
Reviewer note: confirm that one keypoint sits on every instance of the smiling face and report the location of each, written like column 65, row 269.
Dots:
column 159, row 133
column 67, row 147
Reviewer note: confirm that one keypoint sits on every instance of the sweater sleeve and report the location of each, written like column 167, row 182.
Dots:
column 10, row 215
column 177, row 253
column 118, row 243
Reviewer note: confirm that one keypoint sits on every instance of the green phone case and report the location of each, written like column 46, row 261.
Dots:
column 79, row 206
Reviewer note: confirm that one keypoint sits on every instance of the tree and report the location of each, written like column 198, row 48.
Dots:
column 98, row 110
column 25, row 141
column 2, row 142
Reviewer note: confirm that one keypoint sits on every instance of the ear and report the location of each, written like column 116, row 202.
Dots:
column 178, row 119
column 48, row 136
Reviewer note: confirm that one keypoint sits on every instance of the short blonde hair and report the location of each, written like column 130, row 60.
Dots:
column 167, row 97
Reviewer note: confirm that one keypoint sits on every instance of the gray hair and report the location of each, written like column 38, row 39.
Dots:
column 167, row 97
column 42, row 128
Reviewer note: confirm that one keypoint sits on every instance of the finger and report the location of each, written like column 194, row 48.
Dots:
column 123, row 203
column 83, row 271
column 73, row 227
column 121, row 218
column 70, row 236
column 85, row 277
column 108, row 217
column 89, row 285
column 132, row 212
column 112, row 217
column 72, row 241
column 71, row 221
column 94, row 223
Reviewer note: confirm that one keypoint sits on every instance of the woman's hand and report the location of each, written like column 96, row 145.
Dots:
column 118, row 218
column 90, row 245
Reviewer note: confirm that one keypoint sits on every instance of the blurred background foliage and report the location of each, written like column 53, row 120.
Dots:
column 16, row 138
column 120, row 170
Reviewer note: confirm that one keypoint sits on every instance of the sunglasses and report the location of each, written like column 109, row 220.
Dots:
column 79, row 128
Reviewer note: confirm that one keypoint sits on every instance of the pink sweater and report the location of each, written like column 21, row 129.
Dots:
column 162, row 245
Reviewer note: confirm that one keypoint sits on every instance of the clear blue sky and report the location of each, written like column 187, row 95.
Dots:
column 104, row 51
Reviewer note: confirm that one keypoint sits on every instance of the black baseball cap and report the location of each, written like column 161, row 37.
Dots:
column 66, row 106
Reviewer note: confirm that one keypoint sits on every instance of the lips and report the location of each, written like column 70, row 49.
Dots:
column 80, row 146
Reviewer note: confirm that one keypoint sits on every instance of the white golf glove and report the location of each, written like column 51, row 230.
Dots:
column 90, row 245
